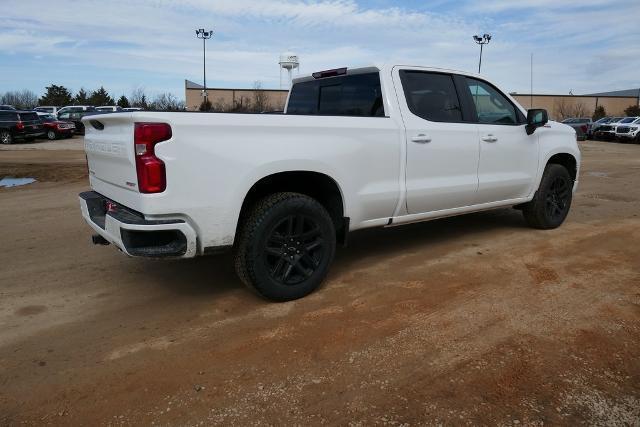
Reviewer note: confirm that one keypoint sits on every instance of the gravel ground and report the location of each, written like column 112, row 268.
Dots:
column 467, row 320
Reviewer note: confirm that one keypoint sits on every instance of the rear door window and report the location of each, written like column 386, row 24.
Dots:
column 7, row 116
column 431, row 96
column 357, row 95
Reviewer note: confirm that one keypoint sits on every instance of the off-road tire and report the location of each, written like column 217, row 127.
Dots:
column 260, row 258
column 551, row 203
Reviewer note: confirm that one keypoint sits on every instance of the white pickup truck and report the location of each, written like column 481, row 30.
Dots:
column 355, row 148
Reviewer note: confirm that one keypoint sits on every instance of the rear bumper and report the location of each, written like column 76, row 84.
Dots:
column 135, row 235
column 29, row 135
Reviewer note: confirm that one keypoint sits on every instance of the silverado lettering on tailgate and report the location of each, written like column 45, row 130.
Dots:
column 105, row 148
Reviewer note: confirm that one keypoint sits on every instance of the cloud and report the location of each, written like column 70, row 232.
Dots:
column 122, row 44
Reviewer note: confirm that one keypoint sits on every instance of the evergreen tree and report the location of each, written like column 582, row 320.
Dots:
column 101, row 97
column 599, row 113
column 81, row 97
column 123, row 102
column 205, row 105
column 57, row 96
column 632, row 110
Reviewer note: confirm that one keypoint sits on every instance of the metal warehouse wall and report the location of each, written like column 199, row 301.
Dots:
column 613, row 105
column 228, row 97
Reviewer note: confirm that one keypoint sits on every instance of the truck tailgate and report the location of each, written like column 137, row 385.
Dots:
column 109, row 146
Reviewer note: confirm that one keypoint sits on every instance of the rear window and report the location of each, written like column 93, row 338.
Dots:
column 29, row 117
column 351, row 95
column 7, row 116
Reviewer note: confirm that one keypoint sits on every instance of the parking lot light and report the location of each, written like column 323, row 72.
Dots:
column 204, row 35
column 486, row 38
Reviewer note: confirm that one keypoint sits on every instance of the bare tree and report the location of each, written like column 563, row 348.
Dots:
column 260, row 98
column 21, row 99
column 167, row 102
column 579, row 110
column 241, row 105
column 221, row 107
column 138, row 98
column 565, row 110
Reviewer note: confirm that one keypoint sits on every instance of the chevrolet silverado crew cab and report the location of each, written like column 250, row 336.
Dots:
column 355, row 148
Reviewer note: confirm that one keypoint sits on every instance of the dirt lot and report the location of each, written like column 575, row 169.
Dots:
column 468, row 320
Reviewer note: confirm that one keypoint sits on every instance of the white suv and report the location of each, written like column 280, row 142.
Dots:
column 76, row 109
column 109, row 109
column 629, row 130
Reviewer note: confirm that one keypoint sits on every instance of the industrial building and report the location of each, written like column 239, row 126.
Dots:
column 614, row 102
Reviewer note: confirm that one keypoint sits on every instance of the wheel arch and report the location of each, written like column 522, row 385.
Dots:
column 317, row 185
column 568, row 161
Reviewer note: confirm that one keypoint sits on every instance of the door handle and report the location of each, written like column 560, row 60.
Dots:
column 421, row 138
column 489, row 138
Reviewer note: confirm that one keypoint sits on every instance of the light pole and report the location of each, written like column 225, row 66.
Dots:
column 486, row 38
column 204, row 35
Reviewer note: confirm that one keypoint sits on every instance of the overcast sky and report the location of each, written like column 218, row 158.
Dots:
column 584, row 46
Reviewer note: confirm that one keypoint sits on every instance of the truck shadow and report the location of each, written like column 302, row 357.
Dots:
column 215, row 275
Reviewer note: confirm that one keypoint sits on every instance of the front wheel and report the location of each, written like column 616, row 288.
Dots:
column 52, row 135
column 285, row 246
column 551, row 203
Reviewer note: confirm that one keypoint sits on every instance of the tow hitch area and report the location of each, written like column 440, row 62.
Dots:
column 99, row 240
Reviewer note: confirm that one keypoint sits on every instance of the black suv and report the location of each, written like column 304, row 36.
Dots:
column 19, row 125
column 76, row 118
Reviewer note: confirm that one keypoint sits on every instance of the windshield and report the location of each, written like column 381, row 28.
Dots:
column 628, row 120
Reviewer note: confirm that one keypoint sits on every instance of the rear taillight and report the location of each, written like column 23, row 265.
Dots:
column 151, row 173
column 20, row 126
column 584, row 128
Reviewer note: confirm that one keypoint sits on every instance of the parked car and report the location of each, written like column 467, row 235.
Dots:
column 76, row 109
column 628, row 131
column 7, row 107
column 76, row 118
column 607, row 131
column 55, row 128
column 109, row 109
column 581, row 126
column 356, row 148
column 595, row 125
column 47, row 109
column 19, row 126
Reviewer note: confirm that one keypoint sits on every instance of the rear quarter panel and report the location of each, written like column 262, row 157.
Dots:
column 213, row 159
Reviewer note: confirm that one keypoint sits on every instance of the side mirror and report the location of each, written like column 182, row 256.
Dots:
column 535, row 118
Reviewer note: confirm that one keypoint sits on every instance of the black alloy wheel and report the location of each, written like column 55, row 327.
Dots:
column 285, row 246
column 557, row 200
column 294, row 249
column 551, row 202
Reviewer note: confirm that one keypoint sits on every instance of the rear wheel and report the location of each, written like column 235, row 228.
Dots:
column 51, row 134
column 551, row 203
column 285, row 246
column 6, row 137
